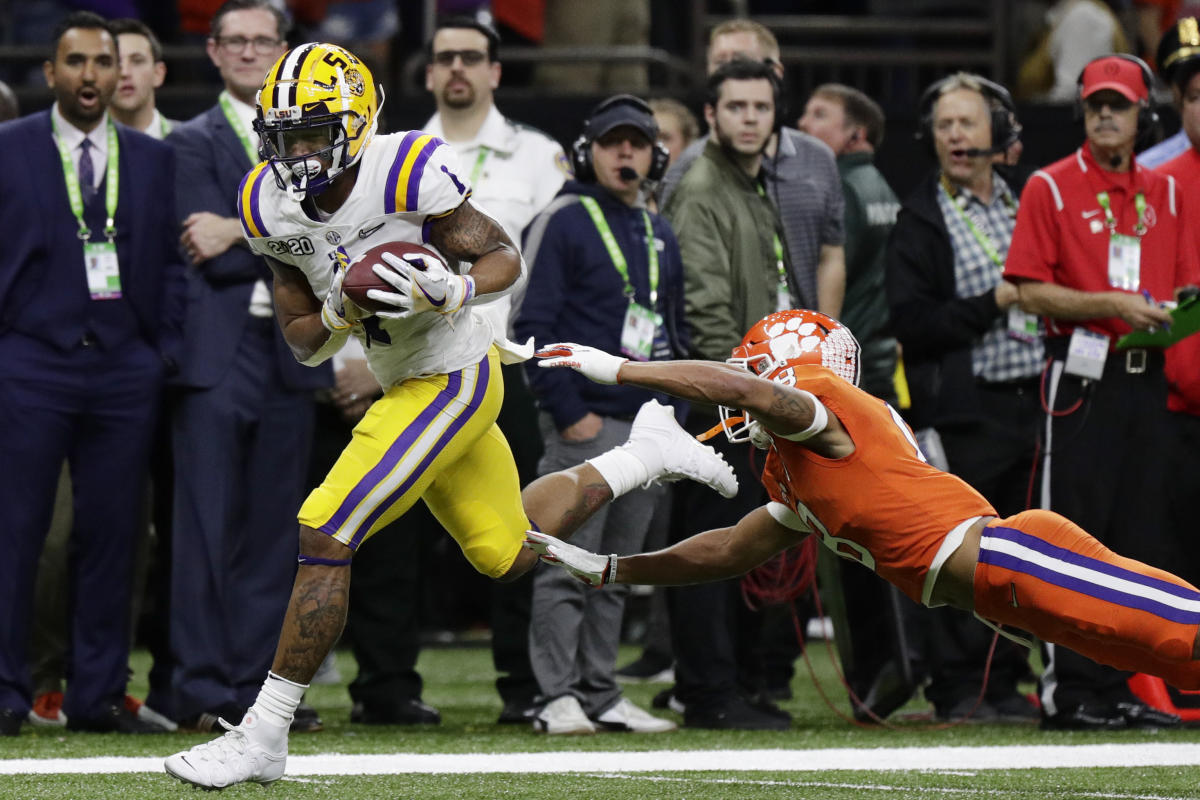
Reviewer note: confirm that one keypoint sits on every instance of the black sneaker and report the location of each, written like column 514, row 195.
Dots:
column 518, row 712
column 410, row 711
column 1086, row 717
column 112, row 718
column 1139, row 715
column 648, row 668
column 306, row 720
column 734, row 714
column 10, row 722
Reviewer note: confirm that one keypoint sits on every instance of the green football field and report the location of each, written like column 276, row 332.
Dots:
column 468, row 756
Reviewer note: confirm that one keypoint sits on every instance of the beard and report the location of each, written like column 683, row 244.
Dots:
column 728, row 141
column 457, row 97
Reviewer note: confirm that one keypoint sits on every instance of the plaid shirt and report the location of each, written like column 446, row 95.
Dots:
column 996, row 356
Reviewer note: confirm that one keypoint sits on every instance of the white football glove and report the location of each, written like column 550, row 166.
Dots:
column 594, row 570
column 420, row 286
column 596, row 365
column 338, row 313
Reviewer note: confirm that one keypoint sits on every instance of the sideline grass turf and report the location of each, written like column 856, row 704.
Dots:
column 459, row 683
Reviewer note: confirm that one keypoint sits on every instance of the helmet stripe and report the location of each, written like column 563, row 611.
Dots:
column 248, row 196
column 286, row 75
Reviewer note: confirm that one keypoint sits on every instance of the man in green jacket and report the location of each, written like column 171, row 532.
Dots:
column 730, row 236
column 735, row 272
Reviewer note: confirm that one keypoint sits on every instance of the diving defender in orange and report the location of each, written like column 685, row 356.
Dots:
column 842, row 465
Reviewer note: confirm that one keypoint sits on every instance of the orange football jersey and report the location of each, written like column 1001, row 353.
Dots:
column 883, row 505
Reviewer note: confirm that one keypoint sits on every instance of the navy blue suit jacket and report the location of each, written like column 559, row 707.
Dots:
column 212, row 163
column 42, row 279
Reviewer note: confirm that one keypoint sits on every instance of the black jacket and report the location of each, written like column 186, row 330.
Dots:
column 935, row 327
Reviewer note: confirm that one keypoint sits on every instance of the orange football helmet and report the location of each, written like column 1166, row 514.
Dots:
column 781, row 341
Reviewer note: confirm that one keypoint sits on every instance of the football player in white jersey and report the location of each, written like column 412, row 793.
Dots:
column 329, row 190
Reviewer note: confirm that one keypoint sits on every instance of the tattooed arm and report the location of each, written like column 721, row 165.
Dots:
column 467, row 234
column 782, row 409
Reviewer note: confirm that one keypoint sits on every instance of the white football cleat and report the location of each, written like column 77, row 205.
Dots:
column 563, row 716
column 233, row 758
column 670, row 453
column 626, row 717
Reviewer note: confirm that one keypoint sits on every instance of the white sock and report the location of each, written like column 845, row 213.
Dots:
column 276, row 705
column 621, row 469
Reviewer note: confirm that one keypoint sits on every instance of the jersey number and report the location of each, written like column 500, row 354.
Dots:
column 300, row 246
column 845, row 548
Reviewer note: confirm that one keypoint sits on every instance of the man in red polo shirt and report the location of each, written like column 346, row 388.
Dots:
column 1099, row 242
column 1179, row 63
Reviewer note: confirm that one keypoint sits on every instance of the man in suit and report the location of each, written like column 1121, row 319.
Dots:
column 90, row 295
column 242, row 419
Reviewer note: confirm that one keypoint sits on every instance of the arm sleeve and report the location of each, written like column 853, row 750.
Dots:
column 927, row 316
column 1034, row 249
column 833, row 230
column 678, row 331
column 707, row 276
column 550, row 257
column 198, row 188
column 1187, row 267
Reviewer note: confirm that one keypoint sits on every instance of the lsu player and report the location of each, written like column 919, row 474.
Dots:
column 328, row 190
column 843, row 466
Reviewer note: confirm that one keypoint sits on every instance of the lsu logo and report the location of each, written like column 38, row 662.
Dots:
column 354, row 81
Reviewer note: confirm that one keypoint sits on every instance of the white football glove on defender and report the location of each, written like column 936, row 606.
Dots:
column 594, row 570
column 420, row 286
column 595, row 365
column 339, row 314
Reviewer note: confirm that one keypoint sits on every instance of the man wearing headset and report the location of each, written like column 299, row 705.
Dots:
column 607, row 272
column 736, row 270
column 1099, row 244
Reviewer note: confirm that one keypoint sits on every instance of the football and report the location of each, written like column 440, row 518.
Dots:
column 360, row 277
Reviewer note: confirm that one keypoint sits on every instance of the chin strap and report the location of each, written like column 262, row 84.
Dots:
column 720, row 427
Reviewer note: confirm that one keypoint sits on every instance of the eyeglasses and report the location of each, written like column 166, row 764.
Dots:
column 1117, row 104
column 263, row 45
column 470, row 58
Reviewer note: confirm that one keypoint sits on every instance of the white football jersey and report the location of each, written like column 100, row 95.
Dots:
column 405, row 181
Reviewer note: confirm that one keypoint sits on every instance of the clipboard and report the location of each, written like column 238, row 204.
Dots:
column 1185, row 320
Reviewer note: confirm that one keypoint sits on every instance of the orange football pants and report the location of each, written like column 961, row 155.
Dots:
column 1042, row 573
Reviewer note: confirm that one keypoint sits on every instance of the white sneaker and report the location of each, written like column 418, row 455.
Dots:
column 671, row 453
column 233, row 758
column 625, row 716
column 563, row 716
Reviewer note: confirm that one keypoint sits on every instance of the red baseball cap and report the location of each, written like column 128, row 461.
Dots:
column 1121, row 74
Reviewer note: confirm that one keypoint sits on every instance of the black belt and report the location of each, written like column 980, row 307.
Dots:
column 1133, row 360
column 1017, row 386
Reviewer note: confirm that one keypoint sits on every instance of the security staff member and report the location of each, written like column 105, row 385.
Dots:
column 1097, row 245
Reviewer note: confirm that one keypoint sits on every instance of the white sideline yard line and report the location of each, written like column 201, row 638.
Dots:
column 659, row 761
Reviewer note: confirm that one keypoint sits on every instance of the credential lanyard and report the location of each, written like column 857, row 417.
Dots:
column 780, row 267
column 614, row 250
column 1139, row 203
column 235, row 122
column 480, row 159
column 985, row 241
column 110, row 190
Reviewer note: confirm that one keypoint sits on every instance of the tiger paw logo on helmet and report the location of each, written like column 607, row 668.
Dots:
column 318, row 109
column 775, row 346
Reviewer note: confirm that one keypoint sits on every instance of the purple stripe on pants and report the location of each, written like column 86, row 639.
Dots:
column 394, row 453
column 481, row 385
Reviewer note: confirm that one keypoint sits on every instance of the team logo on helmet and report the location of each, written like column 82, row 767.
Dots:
column 322, row 94
column 776, row 345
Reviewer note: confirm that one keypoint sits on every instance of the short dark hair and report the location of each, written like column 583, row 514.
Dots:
column 489, row 33
column 87, row 20
column 858, row 107
column 282, row 23
column 136, row 26
column 742, row 69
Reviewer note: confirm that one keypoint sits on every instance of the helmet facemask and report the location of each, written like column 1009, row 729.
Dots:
column 775, row 346
column 333, row 111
